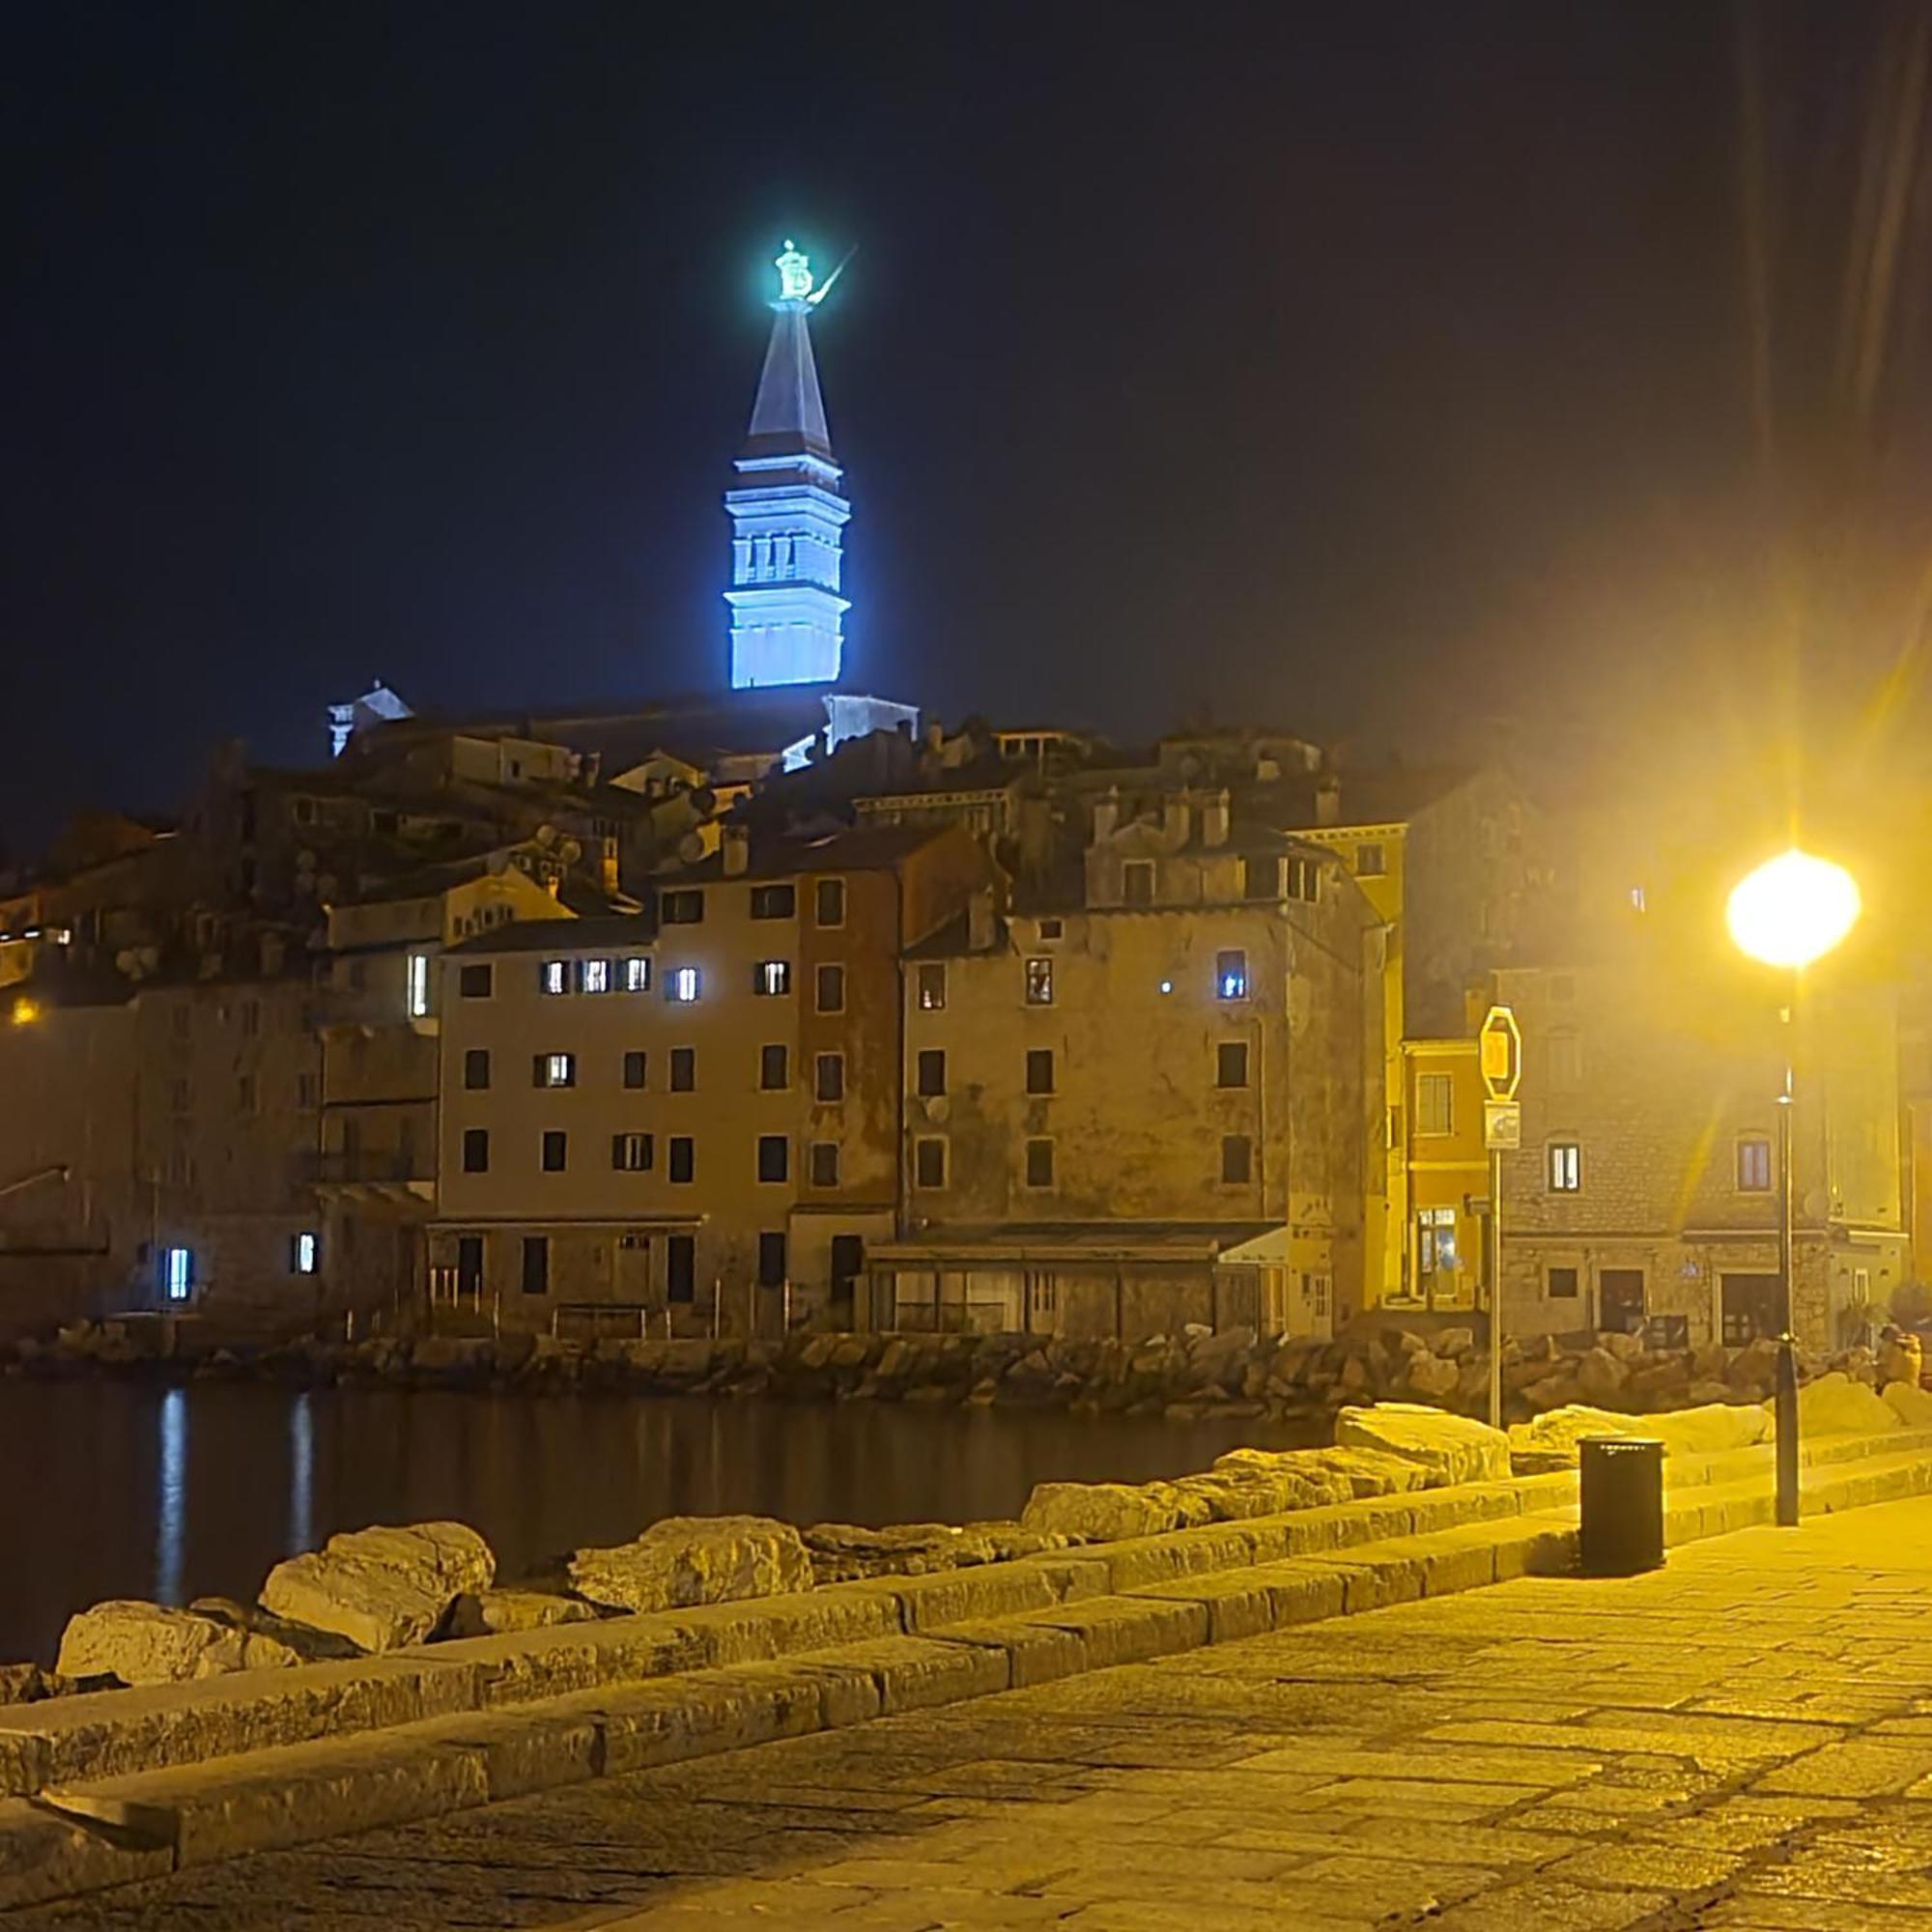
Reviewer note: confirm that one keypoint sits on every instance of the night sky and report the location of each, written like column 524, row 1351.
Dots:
column 1368, row 368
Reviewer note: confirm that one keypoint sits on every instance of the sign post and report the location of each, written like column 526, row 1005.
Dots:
column 1501, row 1059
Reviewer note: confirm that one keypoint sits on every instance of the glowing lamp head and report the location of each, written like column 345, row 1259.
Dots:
column 1793, row 909
column 26, row 1011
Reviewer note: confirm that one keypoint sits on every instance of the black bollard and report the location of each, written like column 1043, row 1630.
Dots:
column 1785, row 1410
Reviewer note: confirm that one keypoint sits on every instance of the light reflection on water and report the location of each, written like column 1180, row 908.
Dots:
column 131, row 1490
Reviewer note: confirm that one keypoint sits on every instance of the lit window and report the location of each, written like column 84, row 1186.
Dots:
column 825, row 1163
column 928, row 1163
column 303, row 1253
column 594, row 975
column 830, row 987
column 553, row 1070
column 829, row 1082
column 1434, row 1103
column 630, row 1153
column 1040, row 1070
column 829, row 902
column 1230, row 975
column 1566, row 1167
column 1636, row 899
column 1370, row 862
column 773, row 976
column 682, row 986
column 1039, row 1163
column 636, row 976
column 553, row 976
column 1231, row 1063
column 177, row 1273
column 931, row 988
column 1237, row 1161
column 1755, row 1165
column 1040, row 983
column 418, row 985
column 773, row 1158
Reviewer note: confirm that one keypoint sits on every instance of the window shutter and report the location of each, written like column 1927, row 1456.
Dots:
column 617, row 1151
column 536, row 1070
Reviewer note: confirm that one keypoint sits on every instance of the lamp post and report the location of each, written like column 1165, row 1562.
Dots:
column 1787, row 914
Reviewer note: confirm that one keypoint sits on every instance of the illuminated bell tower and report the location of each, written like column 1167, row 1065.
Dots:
column 786, row 513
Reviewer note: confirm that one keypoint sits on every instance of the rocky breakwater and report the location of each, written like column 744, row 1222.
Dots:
column 1195, row 1372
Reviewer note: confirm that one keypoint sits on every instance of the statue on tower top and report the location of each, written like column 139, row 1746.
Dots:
column 794, row 273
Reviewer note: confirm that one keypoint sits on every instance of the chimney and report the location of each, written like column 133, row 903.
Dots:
column 1106, row 816
column 1328, row 801
column 1215, row 812
column 981, row 926
column 734, row 843
column 1173, row 818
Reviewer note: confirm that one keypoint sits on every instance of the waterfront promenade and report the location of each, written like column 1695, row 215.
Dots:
column 1742, row 1739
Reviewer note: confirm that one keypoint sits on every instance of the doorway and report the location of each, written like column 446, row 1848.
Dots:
column 1750, row 1306
column 1620, row 1300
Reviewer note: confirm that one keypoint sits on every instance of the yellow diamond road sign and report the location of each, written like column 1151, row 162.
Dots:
column 1501, row 1053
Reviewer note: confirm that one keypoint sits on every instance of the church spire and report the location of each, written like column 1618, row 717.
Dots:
column 786, row 513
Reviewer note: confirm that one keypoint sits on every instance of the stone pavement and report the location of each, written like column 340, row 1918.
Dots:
column 1744, row 1740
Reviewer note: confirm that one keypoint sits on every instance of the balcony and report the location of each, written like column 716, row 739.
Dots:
column 394, row 1173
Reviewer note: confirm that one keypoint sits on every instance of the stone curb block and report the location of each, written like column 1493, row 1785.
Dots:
column 44, row 1855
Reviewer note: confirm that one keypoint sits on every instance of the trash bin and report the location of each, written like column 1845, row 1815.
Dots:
column 1621, row 1482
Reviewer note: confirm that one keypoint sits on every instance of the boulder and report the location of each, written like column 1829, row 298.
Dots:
column 843, row 1552
column 1101, row 1512
column 381, row 1587
column 1835, row 1405
column 148, row 1643
column 1660, row 1382
column 498, row 1613
column 1554, row 1391
column 1549, row 1441
column 1754, row 1364
column 1433, row 1375
column 1626, row 1348
column 310, row 1646
column 1601, row 1376
column 30, row 1684
column 1450, row 1448
column 686, row 1560
column 1453, row 1342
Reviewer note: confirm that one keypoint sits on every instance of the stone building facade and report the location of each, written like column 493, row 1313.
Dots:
column 693, row 1116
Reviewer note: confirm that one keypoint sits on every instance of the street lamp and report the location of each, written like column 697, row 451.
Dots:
column 1788, row 913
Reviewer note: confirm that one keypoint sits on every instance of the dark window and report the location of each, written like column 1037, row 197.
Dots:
column 1370, row 862
column 1231, row 1063
column 1137, row 882
column 931, row 1071
column 829, row 1085
column 1237, row 1159
column 1040, row 983
column 773, row 1158
column 683, row 907
column 1304, row 879
column 1051, row 929
column 831, row 989
column 1755, row 1165
column 770, row 1259
column 473, row 983
column 476, row 1068
column 928, row 1163
column 536, row 1264
column 1039, row 1163
column 555, row 1150
column 848, row 1256
column 825, row 1163
column 829, row 902
column 683, row 1157
column 773, row 901
column 1261, row 878
column 1230, row 975
column 636, row 1067
column 470, row 1263
column 1620, row 1300
column 477, row 1149
column 684, row 1070
column 774, row 1068
column 1750, row 1306
column 681, row 1267
column 1563, row 1284
column 1040, row 1070
column 630, row 1153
